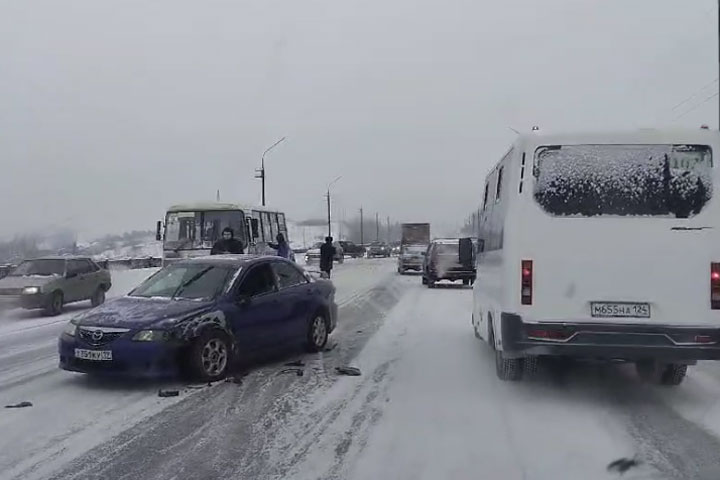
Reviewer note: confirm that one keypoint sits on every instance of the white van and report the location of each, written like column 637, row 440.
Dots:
column 602, row 246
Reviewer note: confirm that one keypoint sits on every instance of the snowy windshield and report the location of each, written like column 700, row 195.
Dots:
column 186, row 281
column 447, row 248
column 200, row 229
column 414, row 249
column 40, row 267
column 626, row 180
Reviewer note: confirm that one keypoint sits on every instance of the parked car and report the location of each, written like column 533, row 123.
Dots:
column 352, row 249
column 443, row 261
column 377, row 249
column 49, row 283
column 313, row 254
column 199, row 315
column 411, row 258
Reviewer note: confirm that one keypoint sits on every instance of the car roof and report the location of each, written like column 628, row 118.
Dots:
column 60, row 257
column 446, row 241
column 229, row 260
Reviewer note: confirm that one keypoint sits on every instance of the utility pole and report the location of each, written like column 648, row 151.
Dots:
column 719, row 52
column 377, row 227
column 388, row 230
column 260, row 172
column 217, row 196
column 362, row 238
column 328, row 205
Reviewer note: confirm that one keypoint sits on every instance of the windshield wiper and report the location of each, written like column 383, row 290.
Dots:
column 192, row 280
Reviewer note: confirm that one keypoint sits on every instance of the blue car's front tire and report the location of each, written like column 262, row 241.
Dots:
column 318, row 332
column 210, row 356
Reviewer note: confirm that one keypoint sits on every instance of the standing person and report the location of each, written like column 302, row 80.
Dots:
column 282, row 247
column 327, row 253
column 227, row 244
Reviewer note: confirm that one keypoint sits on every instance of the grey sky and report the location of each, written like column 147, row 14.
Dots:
column 112, row 110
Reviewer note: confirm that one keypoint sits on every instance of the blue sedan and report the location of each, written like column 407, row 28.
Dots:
column 199, row 315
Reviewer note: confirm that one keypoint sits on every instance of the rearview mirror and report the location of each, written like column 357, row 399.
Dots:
column 466, row 251
column 158, row 234
column 255, row 227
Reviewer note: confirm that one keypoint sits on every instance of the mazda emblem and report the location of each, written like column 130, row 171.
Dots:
column 97, row 335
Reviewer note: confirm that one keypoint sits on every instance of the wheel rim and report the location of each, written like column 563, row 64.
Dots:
column 319, row 330
column 214, row 357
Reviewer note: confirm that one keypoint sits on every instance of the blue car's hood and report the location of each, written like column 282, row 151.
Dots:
column 137, row 312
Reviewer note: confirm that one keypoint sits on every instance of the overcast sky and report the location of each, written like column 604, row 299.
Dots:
column 112, row 110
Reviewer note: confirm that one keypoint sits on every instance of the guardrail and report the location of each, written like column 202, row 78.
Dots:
column 110, row 264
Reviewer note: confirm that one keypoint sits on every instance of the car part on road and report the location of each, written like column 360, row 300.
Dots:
column 622, row 465
column 168, row 393
column 297, row 371
column 295, row 363
column 20, row 405
column 210, row 356
column 98, row 297
column 55, row 305
column 350, row 371
column 317, row 335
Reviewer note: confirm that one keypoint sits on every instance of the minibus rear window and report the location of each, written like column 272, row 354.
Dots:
column 623, row 180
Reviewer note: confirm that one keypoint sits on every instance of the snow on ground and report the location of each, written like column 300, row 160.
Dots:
column 72, row 413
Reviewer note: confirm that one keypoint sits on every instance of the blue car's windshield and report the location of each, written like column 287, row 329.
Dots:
column 186, row 281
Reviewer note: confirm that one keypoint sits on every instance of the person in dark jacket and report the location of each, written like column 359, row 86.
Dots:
column 227, row 244
column 282, row 247
column 327, row 254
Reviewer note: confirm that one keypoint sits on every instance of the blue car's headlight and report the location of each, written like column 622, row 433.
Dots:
column 151, row 336
column 70, row 329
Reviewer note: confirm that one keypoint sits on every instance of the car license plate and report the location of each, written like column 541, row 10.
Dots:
column 620, row 309
column 95, row 355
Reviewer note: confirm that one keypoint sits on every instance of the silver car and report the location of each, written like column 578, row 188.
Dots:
column 49, row 283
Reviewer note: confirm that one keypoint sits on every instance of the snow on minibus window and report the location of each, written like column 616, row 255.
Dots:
column 625, row 180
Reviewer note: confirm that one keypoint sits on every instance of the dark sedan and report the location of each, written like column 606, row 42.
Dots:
column 199, row 315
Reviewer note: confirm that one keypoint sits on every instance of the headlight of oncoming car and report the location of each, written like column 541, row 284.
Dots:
column 70, row 329
column 150, row 336
column 30, row 290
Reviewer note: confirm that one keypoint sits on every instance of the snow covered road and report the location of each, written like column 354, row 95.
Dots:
column 427, row 406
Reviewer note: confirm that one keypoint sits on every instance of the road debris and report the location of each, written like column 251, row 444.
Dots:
column 20, row 405
column 298, row 371
column 622, row 465
column 295, row 363
column 350, row 371
column 168, row 393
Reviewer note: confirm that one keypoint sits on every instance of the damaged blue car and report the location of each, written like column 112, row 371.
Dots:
column 199, row 315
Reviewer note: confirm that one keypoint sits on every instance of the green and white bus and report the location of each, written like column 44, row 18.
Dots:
column 190, row 230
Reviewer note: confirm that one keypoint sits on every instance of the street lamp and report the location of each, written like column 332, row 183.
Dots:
column 260, row 173
column 328, row 204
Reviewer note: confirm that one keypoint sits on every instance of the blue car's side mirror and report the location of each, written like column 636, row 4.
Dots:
column 244, row 300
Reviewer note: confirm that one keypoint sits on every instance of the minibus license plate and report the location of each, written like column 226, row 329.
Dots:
column 97, row 355
column 620, row 309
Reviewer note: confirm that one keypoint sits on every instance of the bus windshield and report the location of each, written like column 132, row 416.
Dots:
column 201, row 229
column 674, row 181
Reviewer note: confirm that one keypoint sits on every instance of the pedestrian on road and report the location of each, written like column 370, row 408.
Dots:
column 282, row 247
column 327, row 254
column 227, row 244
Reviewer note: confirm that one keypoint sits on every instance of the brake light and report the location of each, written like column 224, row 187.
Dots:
column 715, row 286
column 526, row 282
column 542, row 334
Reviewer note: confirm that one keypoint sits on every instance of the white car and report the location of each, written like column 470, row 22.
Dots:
column 604, row 246
column 313, row 254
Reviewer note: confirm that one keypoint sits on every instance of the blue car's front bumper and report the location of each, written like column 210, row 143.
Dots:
column 138, row 359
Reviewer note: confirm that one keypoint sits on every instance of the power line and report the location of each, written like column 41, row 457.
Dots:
column 694, row 94
column 697, row 106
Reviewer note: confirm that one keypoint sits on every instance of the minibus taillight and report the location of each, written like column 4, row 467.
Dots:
column 715, row 286
column 526, row 282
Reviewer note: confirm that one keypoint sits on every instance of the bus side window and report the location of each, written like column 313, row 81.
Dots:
column 273, row 227
column 282, row 225
column 266, row 231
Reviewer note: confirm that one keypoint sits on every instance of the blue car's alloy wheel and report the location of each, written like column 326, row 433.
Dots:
column 210, row 356
column 317, row 333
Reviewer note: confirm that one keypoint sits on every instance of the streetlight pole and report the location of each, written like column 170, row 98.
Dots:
column 328, row 205
column 260, row 173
